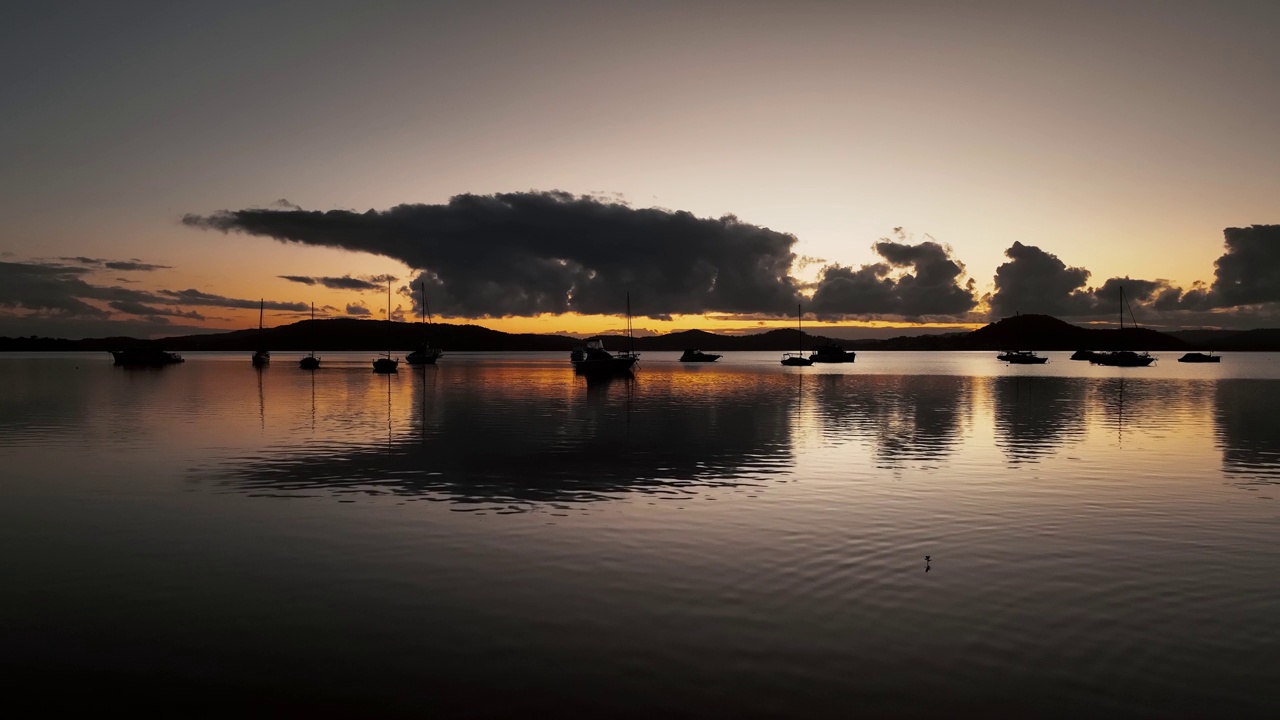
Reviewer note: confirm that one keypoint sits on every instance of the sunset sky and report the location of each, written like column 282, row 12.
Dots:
column 881, row 160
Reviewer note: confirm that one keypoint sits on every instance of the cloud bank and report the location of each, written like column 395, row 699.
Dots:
column 57, row 298
column 520, row 254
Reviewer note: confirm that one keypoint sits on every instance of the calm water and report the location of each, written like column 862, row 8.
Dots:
column 495, row 536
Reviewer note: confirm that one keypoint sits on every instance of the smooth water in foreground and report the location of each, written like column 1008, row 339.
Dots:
column 495, row 536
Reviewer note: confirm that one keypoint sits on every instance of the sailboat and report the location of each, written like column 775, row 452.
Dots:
column 425, row 355
column 797, row 359
column 387, row 364
column 311, row 362
column 261, row 356
column 1123, row 358
column 595, row 360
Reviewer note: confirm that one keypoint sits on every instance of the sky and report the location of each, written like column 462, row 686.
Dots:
column 163, row 166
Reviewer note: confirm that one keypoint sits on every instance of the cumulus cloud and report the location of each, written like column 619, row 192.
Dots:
column 357, row 310
column 1249, row 272
column 913, row 281
column 515, row 254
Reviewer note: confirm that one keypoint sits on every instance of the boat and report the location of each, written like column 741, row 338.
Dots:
column 697, row 356
column 311, row 362
column 1021, row 357
column 1123, row 358
column 144, row 357
column 261, row 356
column 832, row 353
column 797, row 359
column 425, row 355
column 1083, row 355
column 1195, row 357
column 593, row 359
column 387, row 364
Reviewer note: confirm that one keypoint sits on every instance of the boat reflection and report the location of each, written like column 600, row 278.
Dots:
column 1036, row 415
column 1244, row 426
column 907, row 418
column 494, row 440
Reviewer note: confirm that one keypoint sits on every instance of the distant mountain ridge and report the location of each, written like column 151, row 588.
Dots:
column 1025, row 332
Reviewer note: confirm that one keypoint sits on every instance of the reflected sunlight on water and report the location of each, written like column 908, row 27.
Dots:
column 747, row 538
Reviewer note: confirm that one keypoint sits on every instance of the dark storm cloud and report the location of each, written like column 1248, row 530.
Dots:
column 353, row 309
column 346, row 282
column 1249, row 272
column 552, row 252
column 914, row 281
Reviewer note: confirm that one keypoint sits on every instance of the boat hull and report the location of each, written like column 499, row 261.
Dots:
column 385, row 365
column 309, row 362
column 796, row 362
column 423, row 357
column 145, row 358
column 1122, row 359
column 604, row 366
column 1199, row 358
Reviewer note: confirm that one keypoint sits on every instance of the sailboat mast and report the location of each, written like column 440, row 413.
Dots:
column 388, row 320
column 630, row 334
column 313, row 328
column 799, row 330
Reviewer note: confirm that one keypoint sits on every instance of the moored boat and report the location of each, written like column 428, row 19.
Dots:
column 1123, row 358
column 697, row 356
column 1021, row 357
column 593, row 359
column 261, row 356
column 145, row 357
column 424, row 355
column 387, row 364
column 1083, row 355
column 310, row 361
column 797, row 359
column 1195, row 357
column 832, row 353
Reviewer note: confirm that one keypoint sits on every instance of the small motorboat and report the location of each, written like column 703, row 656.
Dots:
column 145, row 357
column 1122, row 358
column 1083, row 355
column 697, row 356
column 1021, row 357
column 1195, row 357
column 832, row 353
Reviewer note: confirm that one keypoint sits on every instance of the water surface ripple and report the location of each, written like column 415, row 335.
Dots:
column 497, row 536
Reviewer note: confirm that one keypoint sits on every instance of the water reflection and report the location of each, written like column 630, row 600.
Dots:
column 906, row 418
column 1245, row 426
column 499, row 436
column 1034, row 415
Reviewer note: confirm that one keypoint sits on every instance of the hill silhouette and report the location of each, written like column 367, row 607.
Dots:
column 1026, row 332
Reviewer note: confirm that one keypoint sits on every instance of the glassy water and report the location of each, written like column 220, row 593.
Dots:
column 496, row 536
